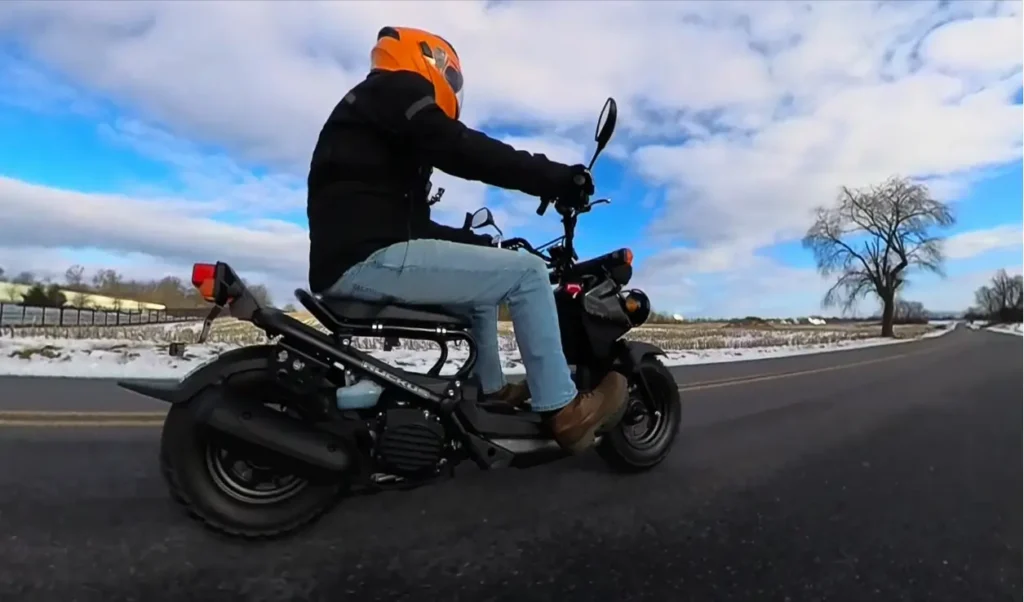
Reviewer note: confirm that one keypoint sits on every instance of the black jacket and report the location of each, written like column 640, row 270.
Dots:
column 370, row 172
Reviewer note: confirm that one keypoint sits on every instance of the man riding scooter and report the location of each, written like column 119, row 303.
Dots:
column 371, row 236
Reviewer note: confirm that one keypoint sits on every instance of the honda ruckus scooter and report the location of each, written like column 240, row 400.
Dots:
column 265, row 439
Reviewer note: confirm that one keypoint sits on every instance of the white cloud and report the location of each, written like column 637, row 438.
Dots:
column 986, row 44
column 702, row 284
column 762, row 187
column 217, row 179
column 749, row 113
column 976, row 242
column 39, row 216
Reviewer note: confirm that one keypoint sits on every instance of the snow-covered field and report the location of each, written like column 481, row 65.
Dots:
column 1008, row 329
column 142, row 352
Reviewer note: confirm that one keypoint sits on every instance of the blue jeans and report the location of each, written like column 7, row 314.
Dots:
column 473, row 281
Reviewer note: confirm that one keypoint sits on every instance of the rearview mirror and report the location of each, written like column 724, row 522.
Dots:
column 481, row 218
column 606, row 123
column 605, row 127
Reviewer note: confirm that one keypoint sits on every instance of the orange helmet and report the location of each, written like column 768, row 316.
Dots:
column 408, row 49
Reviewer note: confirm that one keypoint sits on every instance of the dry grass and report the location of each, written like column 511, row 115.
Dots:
column 669, row 336
column 721, row 336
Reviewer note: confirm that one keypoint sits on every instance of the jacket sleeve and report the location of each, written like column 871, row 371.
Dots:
column 461, row 151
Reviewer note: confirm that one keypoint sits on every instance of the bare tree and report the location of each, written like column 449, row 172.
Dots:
column 872, row 236
column 24, row 278
column 1002, row 299
column 75, row 277
column 107, row 282
column 909, row 312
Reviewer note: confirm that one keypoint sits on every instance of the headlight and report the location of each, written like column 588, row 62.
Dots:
column 637, row 306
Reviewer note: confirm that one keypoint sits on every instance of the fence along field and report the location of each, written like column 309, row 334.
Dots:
column 16, row 315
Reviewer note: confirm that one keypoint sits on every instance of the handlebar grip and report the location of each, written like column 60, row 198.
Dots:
column 543, row 206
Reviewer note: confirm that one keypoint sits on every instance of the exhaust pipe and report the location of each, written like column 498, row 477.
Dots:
column 263, row 427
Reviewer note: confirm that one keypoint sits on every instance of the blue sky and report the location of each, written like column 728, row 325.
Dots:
column 147, row 148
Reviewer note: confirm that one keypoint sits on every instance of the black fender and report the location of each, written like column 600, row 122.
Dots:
column 629, row 354
column 226, row 366
column 638, row 350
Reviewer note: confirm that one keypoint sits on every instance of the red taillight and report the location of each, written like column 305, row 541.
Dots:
column 573, row 289
column 203, row 275
column 201, row 272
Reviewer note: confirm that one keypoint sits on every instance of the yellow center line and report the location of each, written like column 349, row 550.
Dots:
column 80, row 423
column 78, row 419
column 28, row 414
column 742, row 380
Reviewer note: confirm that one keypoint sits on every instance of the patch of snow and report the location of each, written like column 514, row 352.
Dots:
column 1016, row 329
column 719, row 356
column 816, row 321
column 113, row 358
column 938, row 332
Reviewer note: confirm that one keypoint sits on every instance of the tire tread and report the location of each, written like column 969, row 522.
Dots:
column 607, row 449
column 175, row 435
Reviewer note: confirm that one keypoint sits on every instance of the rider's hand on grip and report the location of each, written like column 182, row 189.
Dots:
column 579, row 189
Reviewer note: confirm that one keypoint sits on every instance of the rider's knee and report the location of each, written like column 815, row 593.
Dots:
column 534, row 265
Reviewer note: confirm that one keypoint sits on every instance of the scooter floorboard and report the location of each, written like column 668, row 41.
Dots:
column 503, row 423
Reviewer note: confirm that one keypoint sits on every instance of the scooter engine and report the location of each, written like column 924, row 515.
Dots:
column 410, row 443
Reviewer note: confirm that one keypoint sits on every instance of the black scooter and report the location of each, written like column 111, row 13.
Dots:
column 265, row 439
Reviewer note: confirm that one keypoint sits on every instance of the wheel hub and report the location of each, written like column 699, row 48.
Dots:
column 250, row 481
column 641, row 426
column 636, row 412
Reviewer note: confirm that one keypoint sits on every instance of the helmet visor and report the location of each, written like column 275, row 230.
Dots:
column 454, row 79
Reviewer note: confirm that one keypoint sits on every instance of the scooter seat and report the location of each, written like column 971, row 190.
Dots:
column 354, row 310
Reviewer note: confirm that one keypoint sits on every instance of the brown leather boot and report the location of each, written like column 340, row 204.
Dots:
column 513, row 394
column 576, row 425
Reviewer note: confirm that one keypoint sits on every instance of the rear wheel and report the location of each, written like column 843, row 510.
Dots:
column 235, row 488
column 643, row 438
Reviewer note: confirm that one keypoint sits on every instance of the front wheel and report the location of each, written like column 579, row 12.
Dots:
column 234, row 488
column 642, row 439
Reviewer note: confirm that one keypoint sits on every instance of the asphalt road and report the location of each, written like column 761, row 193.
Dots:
column 887, row 474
